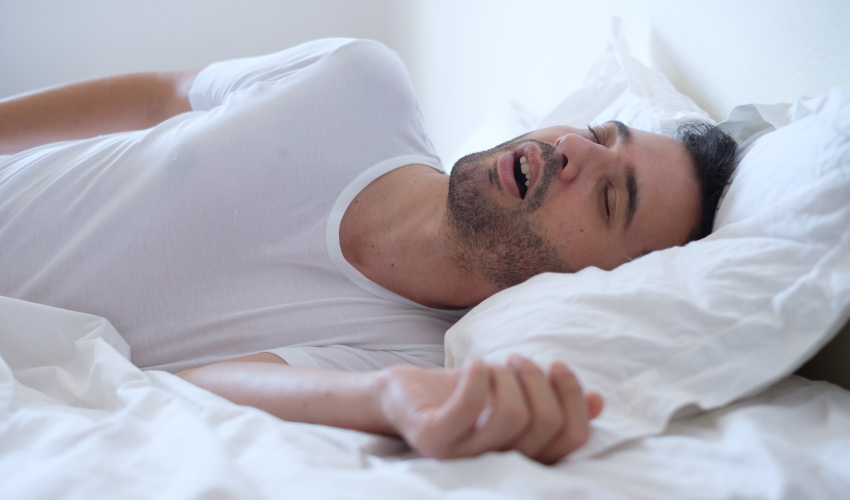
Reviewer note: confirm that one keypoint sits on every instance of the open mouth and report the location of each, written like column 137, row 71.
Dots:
column 522, row 174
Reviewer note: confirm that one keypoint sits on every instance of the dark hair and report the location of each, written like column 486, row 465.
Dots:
column 715, row 158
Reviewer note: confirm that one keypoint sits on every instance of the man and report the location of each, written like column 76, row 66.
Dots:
column 268, row 222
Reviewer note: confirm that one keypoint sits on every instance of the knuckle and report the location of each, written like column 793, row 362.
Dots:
column 549, row 459
column 432, row 452
column 518, row 418
column 524, row 365
column 552, row 453
column 569, row 384
column 423, row 442
column 465, row 405
column 500, row 371
column 549, row 421
column 421, row 437
column 529, row 370
column 576, row 437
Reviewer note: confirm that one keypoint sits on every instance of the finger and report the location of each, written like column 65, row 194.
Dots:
column 506, row 419
column 546, row 415
column 595, row 404
column 457, row 417
column 575, row 429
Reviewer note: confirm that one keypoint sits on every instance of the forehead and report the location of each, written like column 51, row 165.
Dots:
column 670, row 206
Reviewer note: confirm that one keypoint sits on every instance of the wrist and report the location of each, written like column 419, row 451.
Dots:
column 381, row 398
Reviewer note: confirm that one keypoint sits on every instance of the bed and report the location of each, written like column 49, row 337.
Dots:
column 694, row 348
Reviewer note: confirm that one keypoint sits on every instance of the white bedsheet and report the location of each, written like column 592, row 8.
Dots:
column 78, row 420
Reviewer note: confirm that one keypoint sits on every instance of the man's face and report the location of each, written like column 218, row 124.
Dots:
column 597, row 197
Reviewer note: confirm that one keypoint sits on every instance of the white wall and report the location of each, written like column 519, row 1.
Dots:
column 728, row 52
column 468, row 58
column 46, row 42
column 472, row 58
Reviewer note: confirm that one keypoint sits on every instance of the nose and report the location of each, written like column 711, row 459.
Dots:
column 582, row 155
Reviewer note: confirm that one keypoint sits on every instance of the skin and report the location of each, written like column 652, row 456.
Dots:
column 576, row 209
column 452, row 242
column 402, row 232
column 444, row 413
column 89, row 108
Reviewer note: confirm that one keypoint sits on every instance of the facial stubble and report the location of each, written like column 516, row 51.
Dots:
column 503, row 244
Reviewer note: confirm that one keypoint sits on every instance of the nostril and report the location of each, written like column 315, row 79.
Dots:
column 567, row 174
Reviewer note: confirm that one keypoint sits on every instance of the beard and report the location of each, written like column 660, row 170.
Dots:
column 504, row 245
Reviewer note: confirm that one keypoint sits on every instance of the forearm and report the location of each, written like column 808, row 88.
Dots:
column 440, row 413
column 340, row 399
column 93, row 107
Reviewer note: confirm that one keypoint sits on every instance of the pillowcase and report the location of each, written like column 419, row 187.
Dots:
column 699, row 326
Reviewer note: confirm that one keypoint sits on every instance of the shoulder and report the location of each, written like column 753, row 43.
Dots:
column 334, row 60
column 341, row 48
column 352, row 48
column 374, row 73
column 345, row 61
column 368, row 58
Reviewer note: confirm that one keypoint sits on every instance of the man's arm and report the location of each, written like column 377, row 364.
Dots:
column 93, row 107
column 440, row 413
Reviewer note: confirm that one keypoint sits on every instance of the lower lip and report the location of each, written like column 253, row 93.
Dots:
column 506, row 174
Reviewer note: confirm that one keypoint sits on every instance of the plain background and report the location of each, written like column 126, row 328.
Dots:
column 468, row 58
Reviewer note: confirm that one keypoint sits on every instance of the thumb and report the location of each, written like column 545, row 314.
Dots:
column 595, row 404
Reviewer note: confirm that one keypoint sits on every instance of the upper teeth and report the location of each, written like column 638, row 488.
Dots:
column 525, row 169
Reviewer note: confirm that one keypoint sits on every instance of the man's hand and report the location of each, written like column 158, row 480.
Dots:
column 459, row 413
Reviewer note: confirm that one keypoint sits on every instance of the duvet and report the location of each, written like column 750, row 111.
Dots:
column 79, row 420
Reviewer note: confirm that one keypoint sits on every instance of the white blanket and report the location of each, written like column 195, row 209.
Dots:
column 78, row 420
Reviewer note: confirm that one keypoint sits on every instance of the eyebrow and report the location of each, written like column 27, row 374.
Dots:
column 624, row 134
column 632, row 189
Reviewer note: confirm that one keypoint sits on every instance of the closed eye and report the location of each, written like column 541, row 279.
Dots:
column 596, row 132
column 607, row 203
column 595, row 136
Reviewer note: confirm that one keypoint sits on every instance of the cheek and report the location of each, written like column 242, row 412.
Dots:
column 582, row 238
column 567, row 220
column 566, row 228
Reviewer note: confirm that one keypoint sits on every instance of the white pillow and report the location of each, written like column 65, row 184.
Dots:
column 702, row 325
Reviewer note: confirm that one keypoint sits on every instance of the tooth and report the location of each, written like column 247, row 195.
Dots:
column 528, row 177
column 526, row 183
column 525, row 168
column 523, row 159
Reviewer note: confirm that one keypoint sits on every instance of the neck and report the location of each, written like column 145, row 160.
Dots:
column 396, row 233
